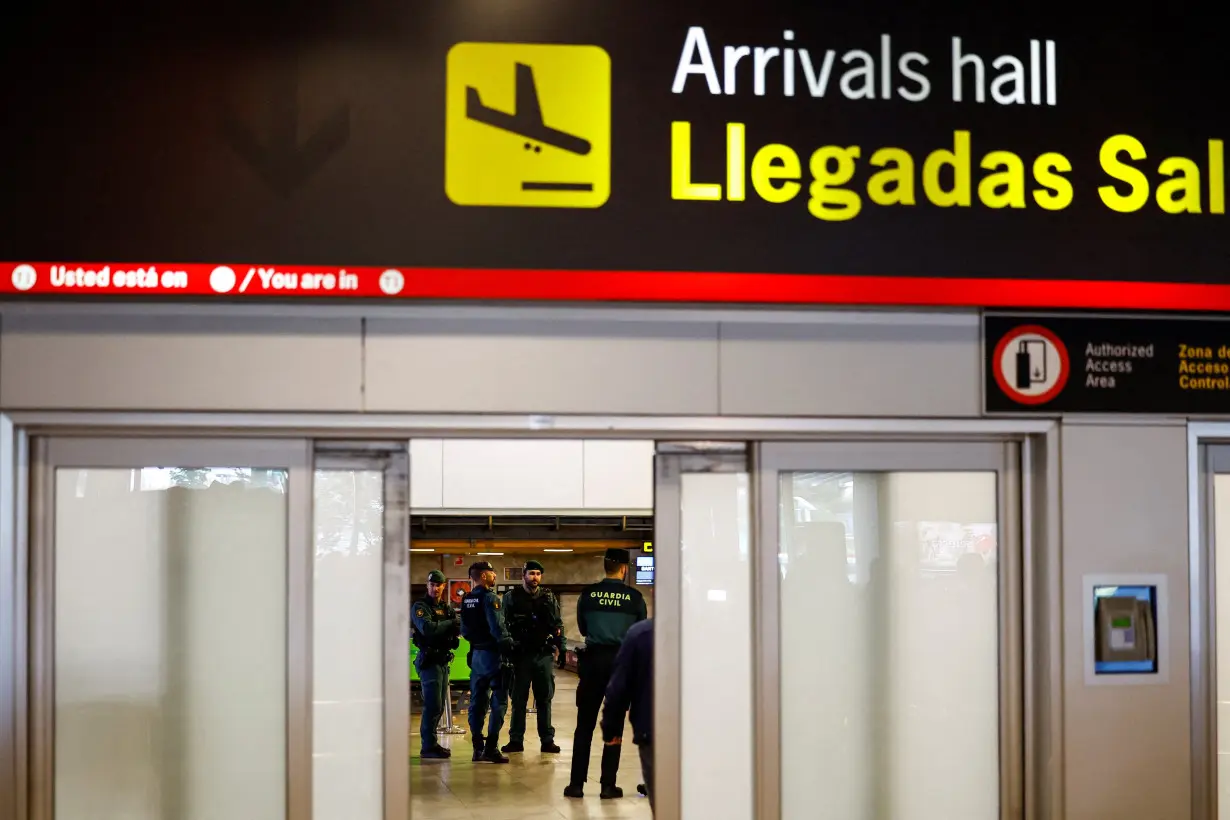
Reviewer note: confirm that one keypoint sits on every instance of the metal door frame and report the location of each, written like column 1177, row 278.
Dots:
column 1208, row 454
column 671, row 462
column 392, row 459
column 32, row 769
column 53, row 453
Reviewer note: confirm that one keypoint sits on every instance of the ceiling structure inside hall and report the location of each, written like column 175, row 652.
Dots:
column 521, row 534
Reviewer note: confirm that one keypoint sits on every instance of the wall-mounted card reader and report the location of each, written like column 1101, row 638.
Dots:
column 1126, row 627
column 1126, row 630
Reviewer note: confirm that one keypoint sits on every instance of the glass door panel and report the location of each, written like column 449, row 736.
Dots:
column 348, row 644
column 889, row 599
column 716, row 658
column 167, row 590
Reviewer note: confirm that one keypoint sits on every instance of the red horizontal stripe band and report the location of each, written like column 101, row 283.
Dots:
column 200, row 280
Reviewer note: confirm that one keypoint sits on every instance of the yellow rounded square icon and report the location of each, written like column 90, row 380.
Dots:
column 528, row 125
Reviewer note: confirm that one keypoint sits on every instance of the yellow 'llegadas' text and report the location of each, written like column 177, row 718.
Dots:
column 948, row 177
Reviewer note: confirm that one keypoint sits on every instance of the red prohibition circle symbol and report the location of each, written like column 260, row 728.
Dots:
column 1001, row 378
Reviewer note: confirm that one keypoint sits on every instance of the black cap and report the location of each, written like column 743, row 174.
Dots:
column 481, row 566
column 532, row 565
column 436, row 577
column 619, row 556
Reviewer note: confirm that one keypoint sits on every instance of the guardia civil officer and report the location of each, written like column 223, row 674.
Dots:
column 482, row 624
column 436, row 628
column 605, row 613
column 533, row 615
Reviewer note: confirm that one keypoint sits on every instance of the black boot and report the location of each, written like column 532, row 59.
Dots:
column 574, row 790
column 549, row 748
column 492, row 755
column 513, row 747
column 435, row 753
column 611, row 793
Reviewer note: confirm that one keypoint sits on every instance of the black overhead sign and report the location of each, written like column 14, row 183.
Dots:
column 1100, row 364
column 890, row 151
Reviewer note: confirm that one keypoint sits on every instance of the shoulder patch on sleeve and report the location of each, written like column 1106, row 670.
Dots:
column 495, row 602
column 419, row 612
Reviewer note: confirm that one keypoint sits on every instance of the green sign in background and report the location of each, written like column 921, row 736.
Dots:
column 460, row 670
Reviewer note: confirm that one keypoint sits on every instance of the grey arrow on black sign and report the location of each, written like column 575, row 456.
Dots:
column 281, row 160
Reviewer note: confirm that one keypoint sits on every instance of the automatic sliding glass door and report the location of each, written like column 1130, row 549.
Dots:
column 890, row 640
column 219, row 629
column 168, row 621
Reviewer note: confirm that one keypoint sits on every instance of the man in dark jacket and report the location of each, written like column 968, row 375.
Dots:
column 482, row 624
column 532, row 613
column 435, row 627
column 631, row 687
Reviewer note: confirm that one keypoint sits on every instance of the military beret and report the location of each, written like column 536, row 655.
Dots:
column 619, row 556
column 436, row 577
column 482, row 566
column 534, row 565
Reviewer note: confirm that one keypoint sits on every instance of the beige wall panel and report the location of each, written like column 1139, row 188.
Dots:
column 921, row 365
column 68, row 361
column 541, row 366
column 1128, row 748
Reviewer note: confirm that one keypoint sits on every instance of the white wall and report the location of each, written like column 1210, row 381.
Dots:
column 519, row 360
column 108, row 361
column 504, row 474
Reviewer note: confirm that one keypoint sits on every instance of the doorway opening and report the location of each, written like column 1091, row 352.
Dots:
column 543, row 524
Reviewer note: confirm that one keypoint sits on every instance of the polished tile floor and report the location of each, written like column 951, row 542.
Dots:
column 531, row 787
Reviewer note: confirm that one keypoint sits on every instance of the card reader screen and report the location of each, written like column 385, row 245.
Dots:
column 1123, row 631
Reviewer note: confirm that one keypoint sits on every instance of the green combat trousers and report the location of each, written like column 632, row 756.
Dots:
column 537, row 673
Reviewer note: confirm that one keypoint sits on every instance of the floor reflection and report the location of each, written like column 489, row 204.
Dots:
column 531, row 787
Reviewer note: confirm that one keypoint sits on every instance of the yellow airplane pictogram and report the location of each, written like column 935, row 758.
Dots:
column 502, row 149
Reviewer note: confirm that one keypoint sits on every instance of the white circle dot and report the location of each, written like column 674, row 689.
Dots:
column 392, row 281
column 24, row 277
column 222, row 279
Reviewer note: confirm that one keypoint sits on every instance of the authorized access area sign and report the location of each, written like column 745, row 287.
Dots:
column 718, row 151
column 1106, row 364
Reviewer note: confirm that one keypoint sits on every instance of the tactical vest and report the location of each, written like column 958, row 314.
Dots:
column 474, row 619
column 531, row 618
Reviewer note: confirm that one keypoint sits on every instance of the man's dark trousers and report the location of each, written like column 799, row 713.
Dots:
column 594, row 667
column 433, row 678
column 535, row 672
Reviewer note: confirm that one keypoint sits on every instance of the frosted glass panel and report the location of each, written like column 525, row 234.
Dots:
column 716, row 666
column 1221, row 535
column 170, row 644
column 348, row 651
column 889, row 637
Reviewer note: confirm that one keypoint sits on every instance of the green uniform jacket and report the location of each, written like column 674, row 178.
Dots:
column 437, row 627
column 607, row 610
